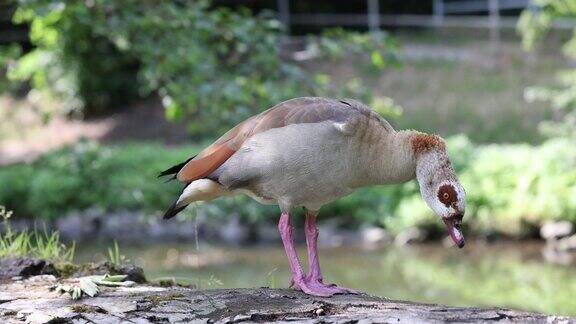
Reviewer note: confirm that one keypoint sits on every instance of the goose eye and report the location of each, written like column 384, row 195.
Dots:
column 447, row 195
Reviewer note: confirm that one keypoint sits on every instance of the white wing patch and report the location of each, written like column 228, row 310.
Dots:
column 345, row 128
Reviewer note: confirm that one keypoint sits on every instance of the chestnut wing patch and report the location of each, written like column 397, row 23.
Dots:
column 197, row 169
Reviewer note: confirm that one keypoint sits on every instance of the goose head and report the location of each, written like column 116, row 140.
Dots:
column 441, row 189
column 447, row 199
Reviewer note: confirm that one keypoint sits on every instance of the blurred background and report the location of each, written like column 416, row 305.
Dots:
column 98, row 96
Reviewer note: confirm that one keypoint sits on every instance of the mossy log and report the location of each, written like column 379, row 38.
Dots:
column 31, row 301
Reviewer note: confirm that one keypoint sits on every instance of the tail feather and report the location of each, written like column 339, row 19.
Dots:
column 177, row 206
column 199, row 190
column 173, row 210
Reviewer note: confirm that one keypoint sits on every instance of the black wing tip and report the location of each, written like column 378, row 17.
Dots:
column 165, row 173
column 173, row 211
column 174, row 169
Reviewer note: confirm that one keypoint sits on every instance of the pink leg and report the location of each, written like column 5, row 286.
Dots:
column 285, row 228
column 299, row 280
column 311, row 231
column 315, row 274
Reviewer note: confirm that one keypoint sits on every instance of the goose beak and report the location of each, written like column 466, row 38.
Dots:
column 454, row 225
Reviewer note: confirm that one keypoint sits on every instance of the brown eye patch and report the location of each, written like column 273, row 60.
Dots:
column 447, row 195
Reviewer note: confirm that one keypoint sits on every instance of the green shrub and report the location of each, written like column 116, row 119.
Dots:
column 212, row 67
column 15, row 185
column 88, row 175
column 72, row 62
column 534, row 25
column 8, row 56
column 510, row 187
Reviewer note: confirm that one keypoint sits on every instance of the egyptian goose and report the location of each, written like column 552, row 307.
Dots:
column 310, row 151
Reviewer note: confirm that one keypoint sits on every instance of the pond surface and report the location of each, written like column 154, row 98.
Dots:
column 505, row 274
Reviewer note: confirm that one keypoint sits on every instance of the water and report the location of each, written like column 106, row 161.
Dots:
column 509, row 275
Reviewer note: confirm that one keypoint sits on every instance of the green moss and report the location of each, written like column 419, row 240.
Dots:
column 66, row 269
column 166, row 282
column 172, row 282
column 83, row 308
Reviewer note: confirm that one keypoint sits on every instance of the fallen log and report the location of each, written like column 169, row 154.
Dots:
column 31, row 301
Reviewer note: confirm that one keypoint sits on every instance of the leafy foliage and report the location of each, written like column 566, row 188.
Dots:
column 376, row 48
column 211, row 66
column 534, row 25
column 71, row 62
column 8, row 55
column 88, row 175
column 508, row 190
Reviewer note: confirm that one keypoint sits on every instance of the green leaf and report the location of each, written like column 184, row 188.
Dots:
column 378, row 60
column 88, row 286
column 115, row 278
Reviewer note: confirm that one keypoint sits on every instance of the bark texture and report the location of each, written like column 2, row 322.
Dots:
column 31, row 301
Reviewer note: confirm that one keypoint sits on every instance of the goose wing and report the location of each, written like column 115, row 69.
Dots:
column 294, row 111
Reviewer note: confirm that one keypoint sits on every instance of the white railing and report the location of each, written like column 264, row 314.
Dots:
column 459, row 7
column 444, row 14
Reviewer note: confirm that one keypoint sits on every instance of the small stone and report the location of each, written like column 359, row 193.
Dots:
column 556, row 230
column 24, row 267
column 319, row 312
column 374, row 235
column 38, row 318
column 16, row 278
column 41, row 278
column 567, row 244
column 133, row 273
column 241, row 318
